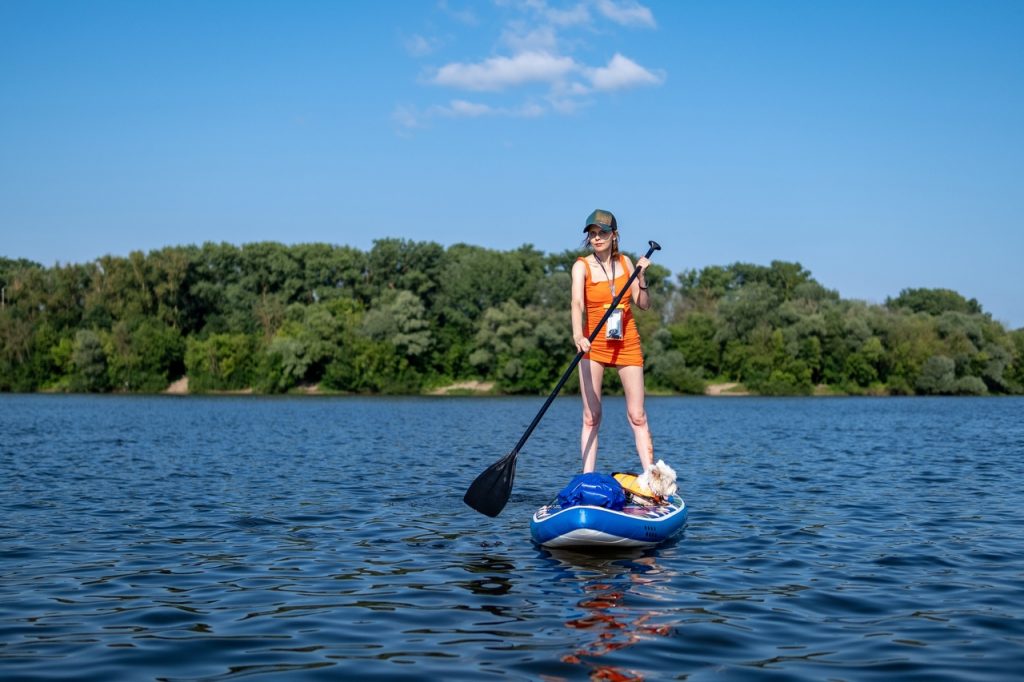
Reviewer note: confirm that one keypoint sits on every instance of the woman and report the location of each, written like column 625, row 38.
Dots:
column 596, row 279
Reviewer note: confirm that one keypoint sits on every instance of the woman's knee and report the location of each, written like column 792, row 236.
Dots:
column 592, row 417
column 637, row 417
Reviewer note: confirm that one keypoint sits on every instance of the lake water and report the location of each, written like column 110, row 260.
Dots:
column 221, row 538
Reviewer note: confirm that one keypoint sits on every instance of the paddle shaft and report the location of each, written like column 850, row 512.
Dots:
column 579, row 356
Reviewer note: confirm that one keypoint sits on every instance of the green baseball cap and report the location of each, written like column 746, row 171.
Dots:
column 602, row 219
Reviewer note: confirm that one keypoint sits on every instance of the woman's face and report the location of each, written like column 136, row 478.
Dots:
column 600, row 240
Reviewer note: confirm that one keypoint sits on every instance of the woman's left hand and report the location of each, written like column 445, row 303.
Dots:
column 641, row 265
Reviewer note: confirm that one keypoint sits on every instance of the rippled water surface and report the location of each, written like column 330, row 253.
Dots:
column 219, row 538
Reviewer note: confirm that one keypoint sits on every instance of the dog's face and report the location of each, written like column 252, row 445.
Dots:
column 662, row 479
column 659, row 480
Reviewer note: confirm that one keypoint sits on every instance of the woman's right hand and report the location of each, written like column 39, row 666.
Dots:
column 582, row 344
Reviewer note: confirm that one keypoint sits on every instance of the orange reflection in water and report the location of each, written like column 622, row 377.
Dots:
column 612, row 630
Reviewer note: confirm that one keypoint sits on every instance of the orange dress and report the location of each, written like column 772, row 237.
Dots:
column 597, row 296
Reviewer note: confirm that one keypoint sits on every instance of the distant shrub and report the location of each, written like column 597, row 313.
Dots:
column 970, row 386
column 938, row 376
column 221, row 362
column 89, row 361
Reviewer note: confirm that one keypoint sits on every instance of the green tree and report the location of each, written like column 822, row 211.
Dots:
column 16, row 349
column 90, row 362
column 330, row 272
column 282, row 365
column 701, row 290
column 144, row 357
column 474, row 279
column 170, row 274
column 666, row 366
column 221, row 362
column 521, row 348
column 399, row 264
column 309, row 339
column 938, row 375
column 1014, row 372
column 745, row 309
column 933, row 302
column 695, row 337
column 61, row 354
column 271, row 268
column 400, row 318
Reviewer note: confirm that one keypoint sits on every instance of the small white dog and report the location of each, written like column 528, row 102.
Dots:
column 659, row 480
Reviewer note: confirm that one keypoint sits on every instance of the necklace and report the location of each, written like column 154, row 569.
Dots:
column 611, row 280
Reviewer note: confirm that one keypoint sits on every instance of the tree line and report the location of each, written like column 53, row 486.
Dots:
column 408, row 316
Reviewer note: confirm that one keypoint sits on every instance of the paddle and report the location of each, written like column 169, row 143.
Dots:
column 489, row 493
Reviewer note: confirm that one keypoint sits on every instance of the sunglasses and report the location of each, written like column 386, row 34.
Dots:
column 602, row 232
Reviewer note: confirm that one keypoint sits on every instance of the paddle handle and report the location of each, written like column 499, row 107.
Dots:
column 579, row 356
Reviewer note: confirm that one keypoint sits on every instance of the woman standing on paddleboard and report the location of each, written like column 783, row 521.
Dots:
column 596, row 279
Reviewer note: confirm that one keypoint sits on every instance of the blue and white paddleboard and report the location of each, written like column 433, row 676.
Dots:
column 588, row 526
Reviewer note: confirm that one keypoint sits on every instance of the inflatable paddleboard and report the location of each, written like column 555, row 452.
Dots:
column 587, row 526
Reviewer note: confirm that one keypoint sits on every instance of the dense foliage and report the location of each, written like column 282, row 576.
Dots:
column 408, row 316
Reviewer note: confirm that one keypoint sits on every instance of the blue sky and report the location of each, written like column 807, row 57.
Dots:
column 880, row 144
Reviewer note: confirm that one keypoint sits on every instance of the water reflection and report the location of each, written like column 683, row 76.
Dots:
column 612, row 586
column 495, row 576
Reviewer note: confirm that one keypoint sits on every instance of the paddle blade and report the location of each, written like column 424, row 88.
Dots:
column 489, row 493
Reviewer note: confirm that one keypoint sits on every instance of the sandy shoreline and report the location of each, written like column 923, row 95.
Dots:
column 179, row 387
column 465, row 387
column 470, row 387
column 727, row 389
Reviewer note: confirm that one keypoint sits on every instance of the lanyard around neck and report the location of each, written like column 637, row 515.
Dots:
column 611, row 280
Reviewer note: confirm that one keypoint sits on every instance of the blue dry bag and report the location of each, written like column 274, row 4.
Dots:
column 598, row 490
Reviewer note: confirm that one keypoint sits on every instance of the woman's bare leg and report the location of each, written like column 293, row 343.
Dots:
column 633, row 385
column 591, row 376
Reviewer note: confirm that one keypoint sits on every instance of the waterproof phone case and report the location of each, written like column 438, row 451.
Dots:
column 613, row 327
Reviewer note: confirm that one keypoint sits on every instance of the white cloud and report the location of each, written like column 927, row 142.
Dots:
column 622, row 72
column 627, row 13
column 420, row 46
column 520, row 38
column 530, row 110
column 406, row 118
column 464, row 16
column 498, row 73
column 542, row 46
column 460, row 108
column 573, row 16
column 565, row 105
